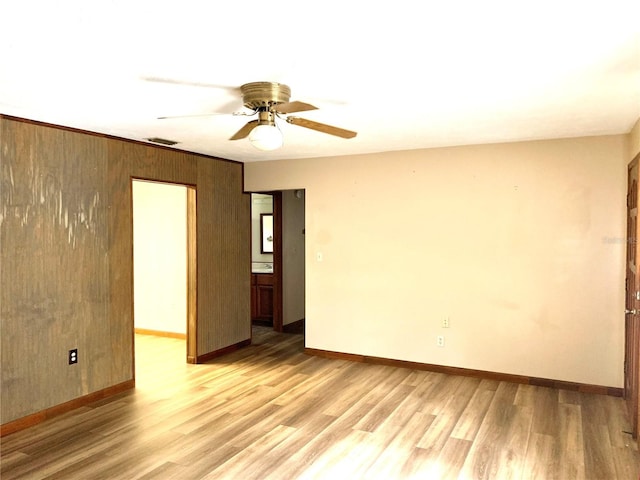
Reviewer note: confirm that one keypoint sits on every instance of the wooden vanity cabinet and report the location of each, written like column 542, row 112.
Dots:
column 262, row 296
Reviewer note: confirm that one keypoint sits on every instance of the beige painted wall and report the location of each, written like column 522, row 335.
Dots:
column 520, row 245
column 634, row 140
column 160, row 256
column 293, row 256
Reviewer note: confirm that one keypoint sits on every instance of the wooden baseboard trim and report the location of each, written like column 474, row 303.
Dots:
column 294, row 327
column 466, row 372
column 159, row 333
column 39, row 417
column 223, row 351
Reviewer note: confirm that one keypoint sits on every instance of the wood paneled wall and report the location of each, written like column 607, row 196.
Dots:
column 66, row 257
column 223, row 237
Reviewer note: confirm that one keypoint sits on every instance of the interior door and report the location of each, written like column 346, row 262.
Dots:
column 632, row 302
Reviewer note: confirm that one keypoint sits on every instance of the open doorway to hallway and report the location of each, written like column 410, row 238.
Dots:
column 278, row 269
column 163, row 257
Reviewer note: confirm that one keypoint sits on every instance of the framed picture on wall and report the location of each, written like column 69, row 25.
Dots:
column 266, row 233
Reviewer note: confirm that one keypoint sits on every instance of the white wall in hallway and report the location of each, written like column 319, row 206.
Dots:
column 160, row 256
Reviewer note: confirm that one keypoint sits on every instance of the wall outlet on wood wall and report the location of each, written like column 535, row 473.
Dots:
column 73, row 356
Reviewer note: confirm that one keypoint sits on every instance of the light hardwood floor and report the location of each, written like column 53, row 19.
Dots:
column 271, row 412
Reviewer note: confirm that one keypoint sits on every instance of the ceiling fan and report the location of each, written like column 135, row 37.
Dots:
column 270, row 101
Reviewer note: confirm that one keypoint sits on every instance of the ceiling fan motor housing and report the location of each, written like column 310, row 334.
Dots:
column 271, row 99
column 257, row 95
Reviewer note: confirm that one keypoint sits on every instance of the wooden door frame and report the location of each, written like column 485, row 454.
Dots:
column 191, row 274
column 277, row 262
column 631, row 330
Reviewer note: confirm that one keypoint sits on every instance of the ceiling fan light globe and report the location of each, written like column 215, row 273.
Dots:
column 266, row 137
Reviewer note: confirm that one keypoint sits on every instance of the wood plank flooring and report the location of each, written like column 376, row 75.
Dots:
column 269, row 411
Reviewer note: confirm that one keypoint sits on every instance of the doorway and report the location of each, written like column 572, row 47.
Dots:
column 164, row 260
column 266, row 271
column 281, row 287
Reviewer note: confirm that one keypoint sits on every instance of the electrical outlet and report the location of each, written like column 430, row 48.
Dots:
column 73, row 356
column 440, row 341
column 445, row 322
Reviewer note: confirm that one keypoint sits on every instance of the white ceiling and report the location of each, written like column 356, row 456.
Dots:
column 403, row 74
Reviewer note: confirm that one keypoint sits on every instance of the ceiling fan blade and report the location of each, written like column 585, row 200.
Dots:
column 245, row 130
column 291, row 107
column 321, row 127
column 190, row 116
column 235, row 113
column 174, row 81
